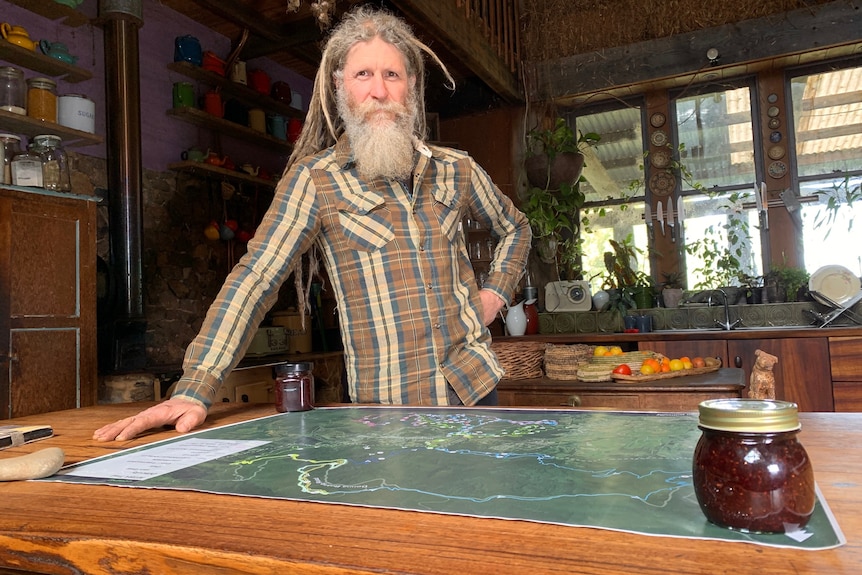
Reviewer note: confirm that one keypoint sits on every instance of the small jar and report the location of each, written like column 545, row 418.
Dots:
column 12, row 90
column 750, row 472
column 42, row 99
column 56, row 174
column 27, row 169
column 10, row 145
column 294, row 386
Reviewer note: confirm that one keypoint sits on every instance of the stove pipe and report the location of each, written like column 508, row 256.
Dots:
column 123, row 333
column 121, row 20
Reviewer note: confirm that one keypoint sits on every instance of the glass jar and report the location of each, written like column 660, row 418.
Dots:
column 27, row 169
column 749, row 471
column 42, row 99
column 294, row 386
column 10, row 145
column 12, row 90
column 56, row 174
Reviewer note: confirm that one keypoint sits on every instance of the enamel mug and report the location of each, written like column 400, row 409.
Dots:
column 188, row 49
column 77, row 112
column 238, row 73
column 184, row 95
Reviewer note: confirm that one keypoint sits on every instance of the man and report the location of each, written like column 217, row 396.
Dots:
column 384, row 209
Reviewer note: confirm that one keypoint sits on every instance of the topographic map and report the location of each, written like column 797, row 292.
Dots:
column 610, row 470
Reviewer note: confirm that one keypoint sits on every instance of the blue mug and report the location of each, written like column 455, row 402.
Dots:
column 188, row 49
column 276, row 125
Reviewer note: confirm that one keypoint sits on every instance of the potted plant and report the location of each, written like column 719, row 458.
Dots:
column 554, row 199
column 672, row 289
column 622, row 281
column 787, row 281
column 555, row 156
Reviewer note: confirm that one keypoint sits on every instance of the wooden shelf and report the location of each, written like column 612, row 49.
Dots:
column 54, row 11
column 204, row 120
column 239, row 91
column 42, row 63
column 18, row 124
column 209, row 170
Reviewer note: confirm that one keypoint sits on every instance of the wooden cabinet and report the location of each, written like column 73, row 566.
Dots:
column 802, row 374
column 678, row 394
column 845, row 356
column 47, row 302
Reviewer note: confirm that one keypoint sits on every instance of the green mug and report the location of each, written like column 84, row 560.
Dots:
column 184, row 95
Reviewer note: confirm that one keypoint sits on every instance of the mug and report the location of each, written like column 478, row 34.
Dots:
column 213, row 104
column 188, row 49
column 184, row 95
column 644, row 323
column 259, row 80
column 257, row 120
column 281, row 92
column 193, row 155
column 276, row 125
column 294, row 129
column 238, row 73
column 213, row 63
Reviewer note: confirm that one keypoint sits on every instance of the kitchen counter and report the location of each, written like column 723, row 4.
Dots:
column 66, row 528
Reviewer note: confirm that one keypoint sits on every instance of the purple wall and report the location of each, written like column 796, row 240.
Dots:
column 164, row 138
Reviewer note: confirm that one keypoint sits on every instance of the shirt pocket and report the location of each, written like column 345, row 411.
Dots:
column 448, row 205
column 364, row 222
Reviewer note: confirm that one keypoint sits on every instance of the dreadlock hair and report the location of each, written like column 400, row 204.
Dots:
column 323, row 124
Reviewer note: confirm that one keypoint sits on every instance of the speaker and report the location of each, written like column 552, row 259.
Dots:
column 570, row 295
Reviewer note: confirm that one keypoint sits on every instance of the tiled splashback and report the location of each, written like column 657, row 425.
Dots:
column 701, row 317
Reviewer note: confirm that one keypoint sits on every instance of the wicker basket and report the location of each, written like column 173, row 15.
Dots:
column 562, row 361
column 521, row 360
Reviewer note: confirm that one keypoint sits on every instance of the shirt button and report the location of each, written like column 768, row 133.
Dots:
column 436, row 326
column 429, row 286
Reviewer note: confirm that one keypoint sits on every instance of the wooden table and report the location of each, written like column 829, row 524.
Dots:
column 62, row 528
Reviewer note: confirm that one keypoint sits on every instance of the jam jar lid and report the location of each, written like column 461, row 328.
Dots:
column 285, row 368
column 749, row 415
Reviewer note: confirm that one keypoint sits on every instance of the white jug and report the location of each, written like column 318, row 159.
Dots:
column 516, row 319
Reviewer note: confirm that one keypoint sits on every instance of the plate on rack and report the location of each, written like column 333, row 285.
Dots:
column 835, row 282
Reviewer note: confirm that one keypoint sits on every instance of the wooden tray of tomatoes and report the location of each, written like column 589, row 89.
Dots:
column 711, row 364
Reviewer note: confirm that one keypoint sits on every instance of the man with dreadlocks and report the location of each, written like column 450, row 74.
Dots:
column 384, row 210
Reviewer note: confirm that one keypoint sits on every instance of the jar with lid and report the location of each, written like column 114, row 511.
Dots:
column 27, row 168
column 42, row 99
column 56, row 174
column 12, row 90
column 750, row 472
column 10, row 145
column 294, row 386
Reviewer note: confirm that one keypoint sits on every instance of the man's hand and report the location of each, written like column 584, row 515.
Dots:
column 491, row 305
column 184, row 415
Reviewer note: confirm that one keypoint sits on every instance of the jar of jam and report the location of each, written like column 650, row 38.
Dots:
column 749, row 471
column 294, row 386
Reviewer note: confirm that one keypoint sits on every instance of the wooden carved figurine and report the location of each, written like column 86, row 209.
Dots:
column 762, row 382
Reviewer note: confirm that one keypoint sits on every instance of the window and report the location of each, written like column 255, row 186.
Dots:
column 609, row 170
column 721, row 232
column 827, row 131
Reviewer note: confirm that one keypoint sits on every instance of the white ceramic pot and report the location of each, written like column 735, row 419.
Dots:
column 77, row 112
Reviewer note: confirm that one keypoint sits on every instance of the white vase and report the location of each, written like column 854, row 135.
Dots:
column 516, row 320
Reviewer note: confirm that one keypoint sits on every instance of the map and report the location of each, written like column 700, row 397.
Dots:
column 611, row 470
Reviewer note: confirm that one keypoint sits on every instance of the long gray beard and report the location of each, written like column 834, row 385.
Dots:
column 381, row 150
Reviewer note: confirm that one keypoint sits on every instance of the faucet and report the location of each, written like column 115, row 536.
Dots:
column 727, row 325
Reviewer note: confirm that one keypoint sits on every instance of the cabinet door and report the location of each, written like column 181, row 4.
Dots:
column 802, row 374
column 692, row 348
column 47, row 304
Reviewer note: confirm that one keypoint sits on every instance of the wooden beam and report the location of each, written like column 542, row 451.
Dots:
column 464, row 39
column 683, row 56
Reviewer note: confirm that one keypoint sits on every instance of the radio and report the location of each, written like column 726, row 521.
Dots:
column 571, row 295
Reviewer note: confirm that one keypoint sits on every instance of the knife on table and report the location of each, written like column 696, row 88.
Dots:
column 659, row 216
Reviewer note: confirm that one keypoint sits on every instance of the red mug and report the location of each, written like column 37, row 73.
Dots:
column 259, row 81
column 213, row 63
column 213, row 104
column 294, row 129
column 281, row 92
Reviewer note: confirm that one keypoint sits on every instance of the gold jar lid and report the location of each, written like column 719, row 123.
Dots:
column 749, row 415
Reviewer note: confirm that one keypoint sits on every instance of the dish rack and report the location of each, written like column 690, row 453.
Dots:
column 837, row 309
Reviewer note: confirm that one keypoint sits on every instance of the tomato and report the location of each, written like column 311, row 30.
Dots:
column 622, row 369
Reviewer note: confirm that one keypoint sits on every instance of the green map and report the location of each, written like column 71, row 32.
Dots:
column 609, row 470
